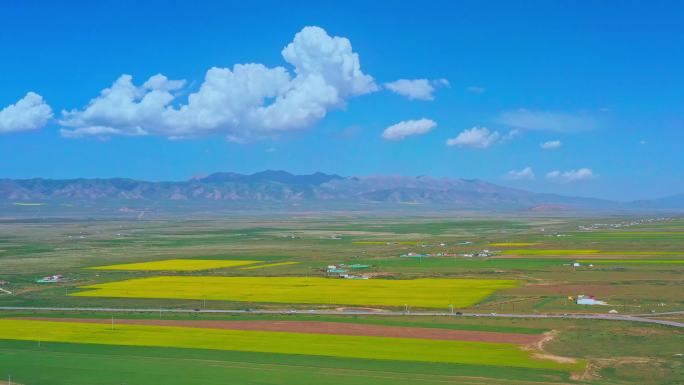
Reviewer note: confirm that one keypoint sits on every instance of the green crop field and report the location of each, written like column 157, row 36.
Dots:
column 83, row 364
column 402, row 349
column 633, row 261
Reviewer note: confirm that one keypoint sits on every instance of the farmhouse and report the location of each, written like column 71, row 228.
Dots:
column 484, row 253
column 51, row 279
column 589, row 300
column 352, row 276
column 335, row 269
column 413, row 255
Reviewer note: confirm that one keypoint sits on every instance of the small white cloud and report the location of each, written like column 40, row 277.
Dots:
column 525, row 174
column 642, row 142
column 571, row 175
column 243, row 102
column 271, row 149
column 421, row 89
column 476, row 89
column 29, row 113
column 551, row 145
column 547, row 121
column 99, row 131
column 406, row 128
column 477, row 137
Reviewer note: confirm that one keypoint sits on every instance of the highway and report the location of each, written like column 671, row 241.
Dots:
column 608, row 317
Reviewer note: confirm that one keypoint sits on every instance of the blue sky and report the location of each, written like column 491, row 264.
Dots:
column 601, row 83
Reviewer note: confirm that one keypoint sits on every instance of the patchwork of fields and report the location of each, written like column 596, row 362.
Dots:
column 428, row 293
column 88, row 364
column 280, row 264
column 386, row 348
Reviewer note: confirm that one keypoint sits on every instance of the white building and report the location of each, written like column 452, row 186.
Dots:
column 589, row 300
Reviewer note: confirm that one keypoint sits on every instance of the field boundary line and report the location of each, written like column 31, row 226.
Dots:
column 605, row 317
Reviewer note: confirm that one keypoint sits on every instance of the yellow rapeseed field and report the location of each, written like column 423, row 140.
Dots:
column 177, row 265
column 432, row 293
column 513, row 244
column 401, row 349
column 268, row 265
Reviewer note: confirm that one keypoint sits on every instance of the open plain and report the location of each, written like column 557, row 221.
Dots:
column 399, row 316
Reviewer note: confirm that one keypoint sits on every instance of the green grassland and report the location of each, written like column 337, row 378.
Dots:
column 637, row 269
column 82, row 364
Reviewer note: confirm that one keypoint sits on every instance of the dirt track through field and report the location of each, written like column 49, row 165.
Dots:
column 339, row 328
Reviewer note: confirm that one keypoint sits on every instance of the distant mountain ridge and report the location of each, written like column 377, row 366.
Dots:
column 675, row 201
column 269, row 176
column 284, row 187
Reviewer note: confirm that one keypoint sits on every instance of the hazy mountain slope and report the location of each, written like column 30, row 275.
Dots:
column 669, row 202
column 281, row 186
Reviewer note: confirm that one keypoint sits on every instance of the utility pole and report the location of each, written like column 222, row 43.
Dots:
column 112, row 322
column 452, row 309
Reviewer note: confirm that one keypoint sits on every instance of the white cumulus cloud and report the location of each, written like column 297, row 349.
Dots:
column 29, row 113
column 243, row 102
column 571, row 175
column 551, row 145
column 477, row 137
column 421, row 89
column 525, row 174
column 547, row 121
column 406, row 128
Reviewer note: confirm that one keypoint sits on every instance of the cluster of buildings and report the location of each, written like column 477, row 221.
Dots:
column 51, row 279
column 482, row 253
column 636, row 222
column 342, row 270
column 589, row 300
column 421, row 255
column 578, row 264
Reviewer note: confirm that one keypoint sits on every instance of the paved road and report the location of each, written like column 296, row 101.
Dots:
column 609, row 317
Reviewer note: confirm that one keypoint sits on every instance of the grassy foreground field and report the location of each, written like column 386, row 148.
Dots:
column 434, row 293
column 88, row 364
column 401, row 349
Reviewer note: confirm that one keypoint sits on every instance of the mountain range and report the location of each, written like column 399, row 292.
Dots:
column 281, row 187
